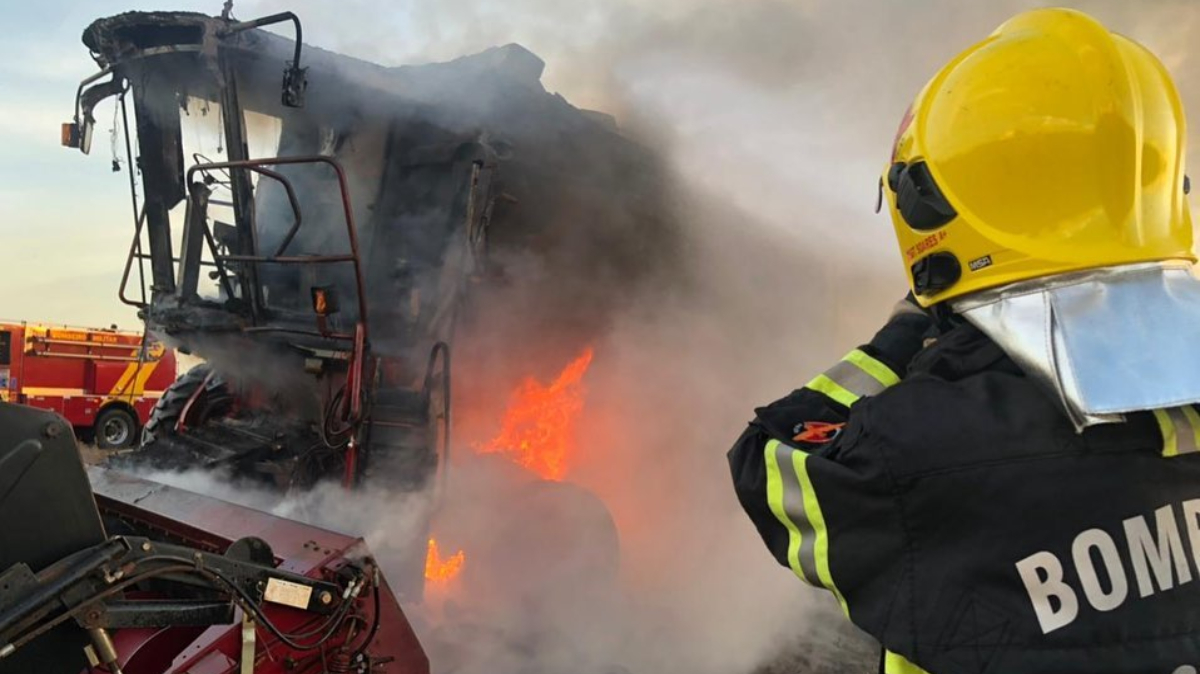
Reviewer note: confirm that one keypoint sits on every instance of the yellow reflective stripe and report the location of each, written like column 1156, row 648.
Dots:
column 894, row 663
column 775, row 502
column 812, row 508
column 123, row 381
column 1180, row 428
column 854, row 377
column 1170, row 444
column 139, row 386
column 882, row 373
column 132, row 382
column 823, row 384
column 52, row 391
column 1193, row 421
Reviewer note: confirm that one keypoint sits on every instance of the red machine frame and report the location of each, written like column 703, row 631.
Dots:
column 212, row 525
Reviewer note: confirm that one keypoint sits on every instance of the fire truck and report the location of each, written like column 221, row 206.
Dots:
column 103, row 381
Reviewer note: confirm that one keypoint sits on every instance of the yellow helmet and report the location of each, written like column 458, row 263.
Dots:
column 1052, row 146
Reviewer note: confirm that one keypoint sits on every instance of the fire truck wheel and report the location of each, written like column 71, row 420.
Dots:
column 115, row 429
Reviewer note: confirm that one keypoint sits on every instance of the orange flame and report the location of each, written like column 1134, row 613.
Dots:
column 438, row 570
column 539, row 427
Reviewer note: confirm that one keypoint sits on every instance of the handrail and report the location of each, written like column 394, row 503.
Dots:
column 347, row 213
column 343, row 336
column 86, row 356
column 84, row 343
column 267, row 21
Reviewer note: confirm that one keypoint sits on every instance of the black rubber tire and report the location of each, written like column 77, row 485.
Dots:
column 170, row 406
column 115, row 428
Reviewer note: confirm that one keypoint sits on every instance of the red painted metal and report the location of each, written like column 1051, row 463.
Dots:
column 78, row 372
column 210, row 524
column 355, row 377
column 351, row 472
column 353, row 403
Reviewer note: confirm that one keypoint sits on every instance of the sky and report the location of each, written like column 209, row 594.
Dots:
column 67, row 224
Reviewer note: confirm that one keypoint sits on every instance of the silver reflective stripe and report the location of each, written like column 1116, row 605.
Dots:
column 854, row 379
column 1185, row 432
column 793, row 506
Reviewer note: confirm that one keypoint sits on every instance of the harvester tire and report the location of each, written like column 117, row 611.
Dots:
column 165, row 415
column 115, row 428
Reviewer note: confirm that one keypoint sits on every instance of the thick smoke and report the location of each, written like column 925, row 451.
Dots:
column 776, row 117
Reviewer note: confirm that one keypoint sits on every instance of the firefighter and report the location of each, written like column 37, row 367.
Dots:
column 1006, row 479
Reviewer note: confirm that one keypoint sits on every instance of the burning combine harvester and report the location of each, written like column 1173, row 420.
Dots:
column 323, row 285
column 313, row 227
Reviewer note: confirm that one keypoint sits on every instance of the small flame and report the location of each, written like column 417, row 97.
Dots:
column 539, row 427
column 438, row 570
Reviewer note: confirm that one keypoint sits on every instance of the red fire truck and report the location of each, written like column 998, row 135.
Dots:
column 105, row 382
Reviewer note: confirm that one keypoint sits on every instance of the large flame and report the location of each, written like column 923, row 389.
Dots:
column 538, row 430
column 438, row 570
